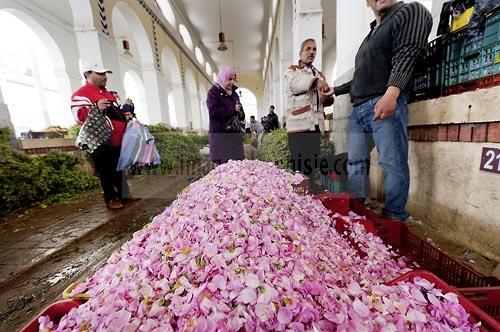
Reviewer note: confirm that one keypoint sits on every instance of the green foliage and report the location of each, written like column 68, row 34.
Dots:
column 248, row 140
column 49, row 178
column 160, row 128
column 4, row 136
column 73, row 131
column 275, row 148
column 327, row 149
column 176, row 148
column 199, row 139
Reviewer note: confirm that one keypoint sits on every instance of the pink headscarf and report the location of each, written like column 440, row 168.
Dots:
column 224, row 74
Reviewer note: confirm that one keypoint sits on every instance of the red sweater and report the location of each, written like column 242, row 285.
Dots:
column 89, row 94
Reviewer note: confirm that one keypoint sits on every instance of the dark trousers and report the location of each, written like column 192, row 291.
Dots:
column 113, row 183
column 305, row 152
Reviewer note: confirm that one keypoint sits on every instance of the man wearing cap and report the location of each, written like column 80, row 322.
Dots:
column 95, row 95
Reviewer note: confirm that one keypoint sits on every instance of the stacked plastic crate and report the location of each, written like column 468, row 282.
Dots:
column 428, row 79
column 490, row 60
column 473, row 61
column 459, row 62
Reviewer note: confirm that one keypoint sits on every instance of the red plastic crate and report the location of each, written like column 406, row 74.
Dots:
column 486, row 298
column 408, row 244
column 429, row 257
column 489, row 81
column 55, row 311
column 343, row 203
column 477, row 315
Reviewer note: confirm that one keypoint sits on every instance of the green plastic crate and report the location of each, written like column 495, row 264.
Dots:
column 492, row 30
column 330, row 185
column 490, row 60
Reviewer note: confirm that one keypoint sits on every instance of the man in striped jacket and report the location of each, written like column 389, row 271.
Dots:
column 95, row 95
column 383, row 68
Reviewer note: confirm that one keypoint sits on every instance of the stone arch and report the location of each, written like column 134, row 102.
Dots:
column 277, row 78
column 249, row 102
column 126, row 24
column 203, row 106
column 193, row 100
column 286, row 36
column 175, row 94
column 61, row 48
column 82, row 14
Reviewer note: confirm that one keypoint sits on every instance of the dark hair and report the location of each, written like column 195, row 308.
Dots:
column 252, row 117
column 304, row 43
column 272, row 106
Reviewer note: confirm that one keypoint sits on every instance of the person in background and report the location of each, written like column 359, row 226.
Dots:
column 258, row 129
column 383, row 67
column 307, row 93
column 264, row 122
column 94, row 95
column 223, row 105
column 272, row 120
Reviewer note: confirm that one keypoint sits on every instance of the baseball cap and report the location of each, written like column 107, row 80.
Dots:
column 95, row 68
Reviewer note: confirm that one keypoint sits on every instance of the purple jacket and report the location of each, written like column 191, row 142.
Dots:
column 221, row 107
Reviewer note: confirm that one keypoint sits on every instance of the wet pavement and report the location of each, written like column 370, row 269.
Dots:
column 43, row 250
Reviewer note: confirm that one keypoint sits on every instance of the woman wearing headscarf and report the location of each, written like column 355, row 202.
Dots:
column 223, row 104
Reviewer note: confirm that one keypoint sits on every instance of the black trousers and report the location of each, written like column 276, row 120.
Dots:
column 305, row 152
column 113, row 183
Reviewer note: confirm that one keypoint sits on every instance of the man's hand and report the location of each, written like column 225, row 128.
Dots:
column 103, row 104
column 386, row 106
column 322, row 86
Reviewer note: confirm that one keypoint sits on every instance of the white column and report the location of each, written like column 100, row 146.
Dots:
column 196, row 112
column 95, row 47
column 277, row 98
column 39, row 90
column 67, row 84
column 181, row 110
column 353, row 24
column 187, row 111
column 152, row 79
column 307, row 21
column 287, row 56
column 5, row 117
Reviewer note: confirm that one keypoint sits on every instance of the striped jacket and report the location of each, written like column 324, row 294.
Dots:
column 388, row 53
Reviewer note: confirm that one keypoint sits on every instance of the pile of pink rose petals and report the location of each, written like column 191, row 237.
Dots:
column 239, row 250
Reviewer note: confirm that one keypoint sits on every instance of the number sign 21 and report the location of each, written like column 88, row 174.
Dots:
column 490, row 160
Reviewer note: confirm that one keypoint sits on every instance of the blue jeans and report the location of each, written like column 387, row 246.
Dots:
column 390, row 137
